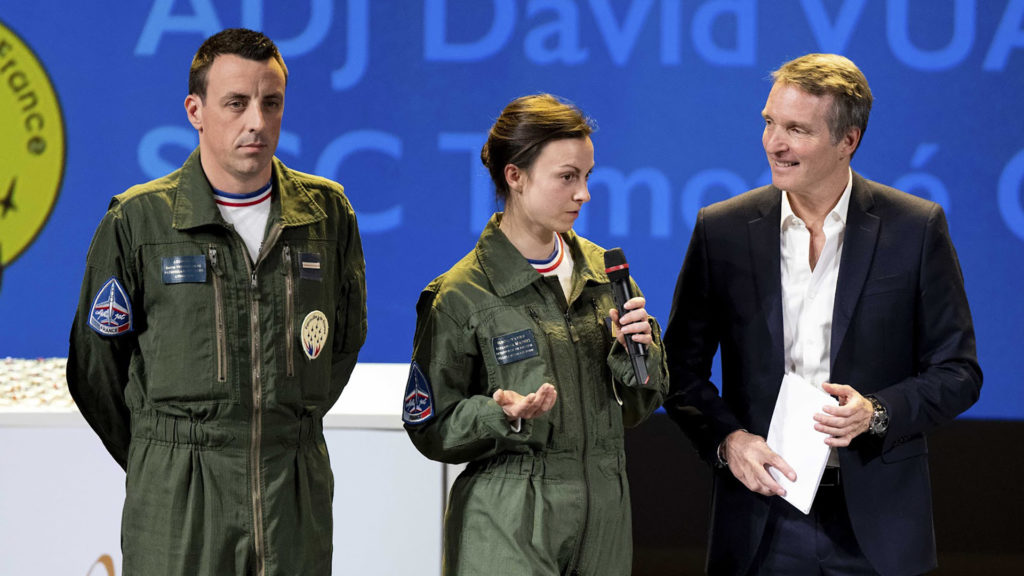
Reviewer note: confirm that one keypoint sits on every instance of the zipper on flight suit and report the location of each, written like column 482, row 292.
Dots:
column 256, row 428
column 574, row 334
column 611, row 332
column 218, row 314
column 289, row 308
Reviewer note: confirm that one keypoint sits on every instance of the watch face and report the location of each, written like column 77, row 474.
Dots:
column 879, row 422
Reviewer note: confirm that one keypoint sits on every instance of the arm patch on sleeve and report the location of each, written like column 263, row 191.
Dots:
column 419, row 398
column 111, row 312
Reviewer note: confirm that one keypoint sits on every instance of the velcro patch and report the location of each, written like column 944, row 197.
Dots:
column 182, row 269
column 111, row 312
column 418, row 406
column 309, row 266
column 515, row 346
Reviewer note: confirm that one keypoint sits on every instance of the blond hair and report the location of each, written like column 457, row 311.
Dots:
column 835, row 75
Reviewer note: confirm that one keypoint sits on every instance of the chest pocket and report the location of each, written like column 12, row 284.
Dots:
column 309, row 319
column 187, row 325
column 602, row 302
column 515, row 350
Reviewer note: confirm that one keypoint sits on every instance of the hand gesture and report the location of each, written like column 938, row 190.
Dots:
column 534, row 404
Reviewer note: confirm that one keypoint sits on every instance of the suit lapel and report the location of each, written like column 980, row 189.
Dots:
column 766, row 263
column 858, row 249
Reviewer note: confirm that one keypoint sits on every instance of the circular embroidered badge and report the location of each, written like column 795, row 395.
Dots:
column 314, row 334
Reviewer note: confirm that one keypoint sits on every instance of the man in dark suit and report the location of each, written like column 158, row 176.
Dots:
column 854, row 287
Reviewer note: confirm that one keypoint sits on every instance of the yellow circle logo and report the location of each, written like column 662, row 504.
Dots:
column 31, row 149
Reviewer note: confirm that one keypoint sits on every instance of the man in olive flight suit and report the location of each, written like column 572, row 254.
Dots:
column 221, row 314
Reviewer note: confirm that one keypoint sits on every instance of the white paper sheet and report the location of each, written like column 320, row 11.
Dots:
column 792, row 436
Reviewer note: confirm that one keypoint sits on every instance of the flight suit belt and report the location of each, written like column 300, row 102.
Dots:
column 213, row 434
column 550, row 465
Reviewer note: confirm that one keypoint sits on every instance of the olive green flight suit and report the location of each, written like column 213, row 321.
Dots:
column 199, row 385
column 552, row 498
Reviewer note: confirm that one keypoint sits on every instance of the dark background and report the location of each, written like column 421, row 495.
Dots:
column 976, row 485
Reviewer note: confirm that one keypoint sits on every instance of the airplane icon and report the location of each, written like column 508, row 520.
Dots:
column 7, row 202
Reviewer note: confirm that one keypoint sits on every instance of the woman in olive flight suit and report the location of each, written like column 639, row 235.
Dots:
column 519, row 368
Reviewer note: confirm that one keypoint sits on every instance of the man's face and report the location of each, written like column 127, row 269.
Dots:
column 239, row 121
column 796, row 138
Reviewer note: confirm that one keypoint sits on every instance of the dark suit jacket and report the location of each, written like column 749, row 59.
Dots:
column 901, row 330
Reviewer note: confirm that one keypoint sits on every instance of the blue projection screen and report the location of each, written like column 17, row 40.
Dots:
column 393, row 99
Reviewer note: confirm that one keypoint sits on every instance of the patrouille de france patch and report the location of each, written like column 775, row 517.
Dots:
column 419, row 399
column 314, row 334
column 111, row 313
column 514, row 347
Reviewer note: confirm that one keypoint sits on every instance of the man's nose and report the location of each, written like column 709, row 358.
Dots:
column 773, row 140
column 254, row 119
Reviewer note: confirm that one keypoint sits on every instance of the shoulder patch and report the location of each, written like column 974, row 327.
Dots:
column 418, row 406
column 111, row 312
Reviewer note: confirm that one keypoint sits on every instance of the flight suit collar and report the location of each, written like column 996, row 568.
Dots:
column 510, row 272
column 194, row 204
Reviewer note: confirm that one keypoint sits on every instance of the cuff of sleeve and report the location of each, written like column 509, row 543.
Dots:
column 721, row 462
column 897, row 430
column 533, row 433
column 622, row 367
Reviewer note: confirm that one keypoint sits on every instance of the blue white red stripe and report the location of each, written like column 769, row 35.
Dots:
column 552, row 262
column 241, row 200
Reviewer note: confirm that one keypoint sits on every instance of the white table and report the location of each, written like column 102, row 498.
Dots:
column 61, row 493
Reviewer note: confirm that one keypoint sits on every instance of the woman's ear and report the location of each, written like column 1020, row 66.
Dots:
column 514, row 177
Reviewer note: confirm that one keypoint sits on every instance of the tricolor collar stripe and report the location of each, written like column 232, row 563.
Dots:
column 547, row 266
column 238, row 200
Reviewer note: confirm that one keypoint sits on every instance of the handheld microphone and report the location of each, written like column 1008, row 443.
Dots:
column 617, row 269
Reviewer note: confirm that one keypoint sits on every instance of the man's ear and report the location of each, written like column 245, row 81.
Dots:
column 194, row 111
column 850, row 141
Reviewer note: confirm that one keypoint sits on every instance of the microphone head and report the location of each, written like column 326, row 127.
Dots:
column 615, row 265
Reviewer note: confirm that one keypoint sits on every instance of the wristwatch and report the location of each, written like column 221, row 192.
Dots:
column 880, row 419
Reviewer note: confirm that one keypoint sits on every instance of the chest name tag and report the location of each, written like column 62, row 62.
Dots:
column 309, row 266
column 515, row 346
column 182, row 269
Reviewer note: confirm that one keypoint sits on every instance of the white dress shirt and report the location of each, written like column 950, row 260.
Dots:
column 808, row 296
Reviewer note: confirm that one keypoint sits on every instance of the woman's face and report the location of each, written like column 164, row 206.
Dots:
column 548, row 196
